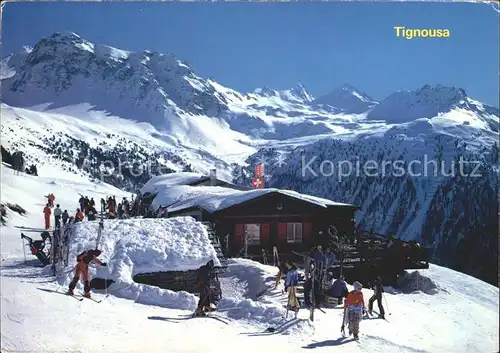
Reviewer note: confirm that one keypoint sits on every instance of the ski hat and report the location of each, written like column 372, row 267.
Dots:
column 357, row 285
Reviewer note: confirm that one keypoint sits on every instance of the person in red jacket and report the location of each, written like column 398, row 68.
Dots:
column 355, row 308
column 51, row 198
column 47, row 212
column 79, row 215
column 82, row 270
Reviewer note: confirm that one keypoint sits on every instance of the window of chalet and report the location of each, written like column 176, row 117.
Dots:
column 294, row 232
column 252, row 231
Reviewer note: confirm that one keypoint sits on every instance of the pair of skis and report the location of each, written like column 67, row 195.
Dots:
column 81, row 297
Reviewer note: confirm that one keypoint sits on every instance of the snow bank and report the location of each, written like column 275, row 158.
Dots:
column 137, row 246
column 241, row 283
column 414, row 282
column 158, row 182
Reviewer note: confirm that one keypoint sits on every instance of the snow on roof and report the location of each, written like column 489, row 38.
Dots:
column 158, row 182
column 214, row 198
column 136, row 246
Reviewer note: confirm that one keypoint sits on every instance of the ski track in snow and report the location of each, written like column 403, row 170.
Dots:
column 461, row 317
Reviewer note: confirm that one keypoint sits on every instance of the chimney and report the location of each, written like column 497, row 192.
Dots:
column 213, row 177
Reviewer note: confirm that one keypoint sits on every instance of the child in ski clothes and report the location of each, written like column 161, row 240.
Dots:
column 57, row 216
column 47, row 212
column 377, row 295
column 82, row 270
column 354, row 307
column 291, row 281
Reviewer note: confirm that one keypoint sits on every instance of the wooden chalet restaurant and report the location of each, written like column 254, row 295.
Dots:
column 248, row 220
column 259, row 223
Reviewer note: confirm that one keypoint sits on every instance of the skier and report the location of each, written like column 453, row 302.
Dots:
column 82, row 270
column 79, row 215
column 91, row 202
column 65, row 217
column 377, row 295
column 119, row 211
column 291, row 281
column 203, row 281
column 81, row 202
column 51, row 199
column 355, row 308
column 57, row 216
column 339, row 290
column 86, row 202
column 47, row 212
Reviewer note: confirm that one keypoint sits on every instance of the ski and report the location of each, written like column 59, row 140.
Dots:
column 209, row 315
column 313, row 296
column 73, row 296
column 77, row 297
column 94, row 300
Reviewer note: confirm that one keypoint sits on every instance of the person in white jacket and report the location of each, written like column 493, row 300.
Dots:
column 57, row 217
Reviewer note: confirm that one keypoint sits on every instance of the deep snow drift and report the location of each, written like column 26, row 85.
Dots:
column 135, row 246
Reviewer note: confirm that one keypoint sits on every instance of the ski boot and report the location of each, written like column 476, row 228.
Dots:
column 87, row 295
column 199, row 312
column 356, row 336
column 70, row 292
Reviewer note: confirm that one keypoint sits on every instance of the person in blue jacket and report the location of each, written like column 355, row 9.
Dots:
column 339, row 290
column 318, row 255
column 291, row 282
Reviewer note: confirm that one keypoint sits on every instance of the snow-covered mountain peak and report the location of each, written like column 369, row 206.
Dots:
column 300, row 92
column 347, row 99
column 425, row 102
column 296, row 94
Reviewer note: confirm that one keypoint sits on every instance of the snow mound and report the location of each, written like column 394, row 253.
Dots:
column 415, row 282
column 135, row 246
column 241, row 283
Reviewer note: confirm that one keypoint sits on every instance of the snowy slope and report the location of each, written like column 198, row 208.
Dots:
column 62, row 139
column 418, row 322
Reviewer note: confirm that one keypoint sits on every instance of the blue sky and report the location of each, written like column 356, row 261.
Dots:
column 322, row 45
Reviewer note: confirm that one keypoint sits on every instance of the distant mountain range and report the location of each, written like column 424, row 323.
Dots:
column 67, row 100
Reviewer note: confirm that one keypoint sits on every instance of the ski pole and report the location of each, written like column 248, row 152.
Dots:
column 342, row 328
column 387, row 305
